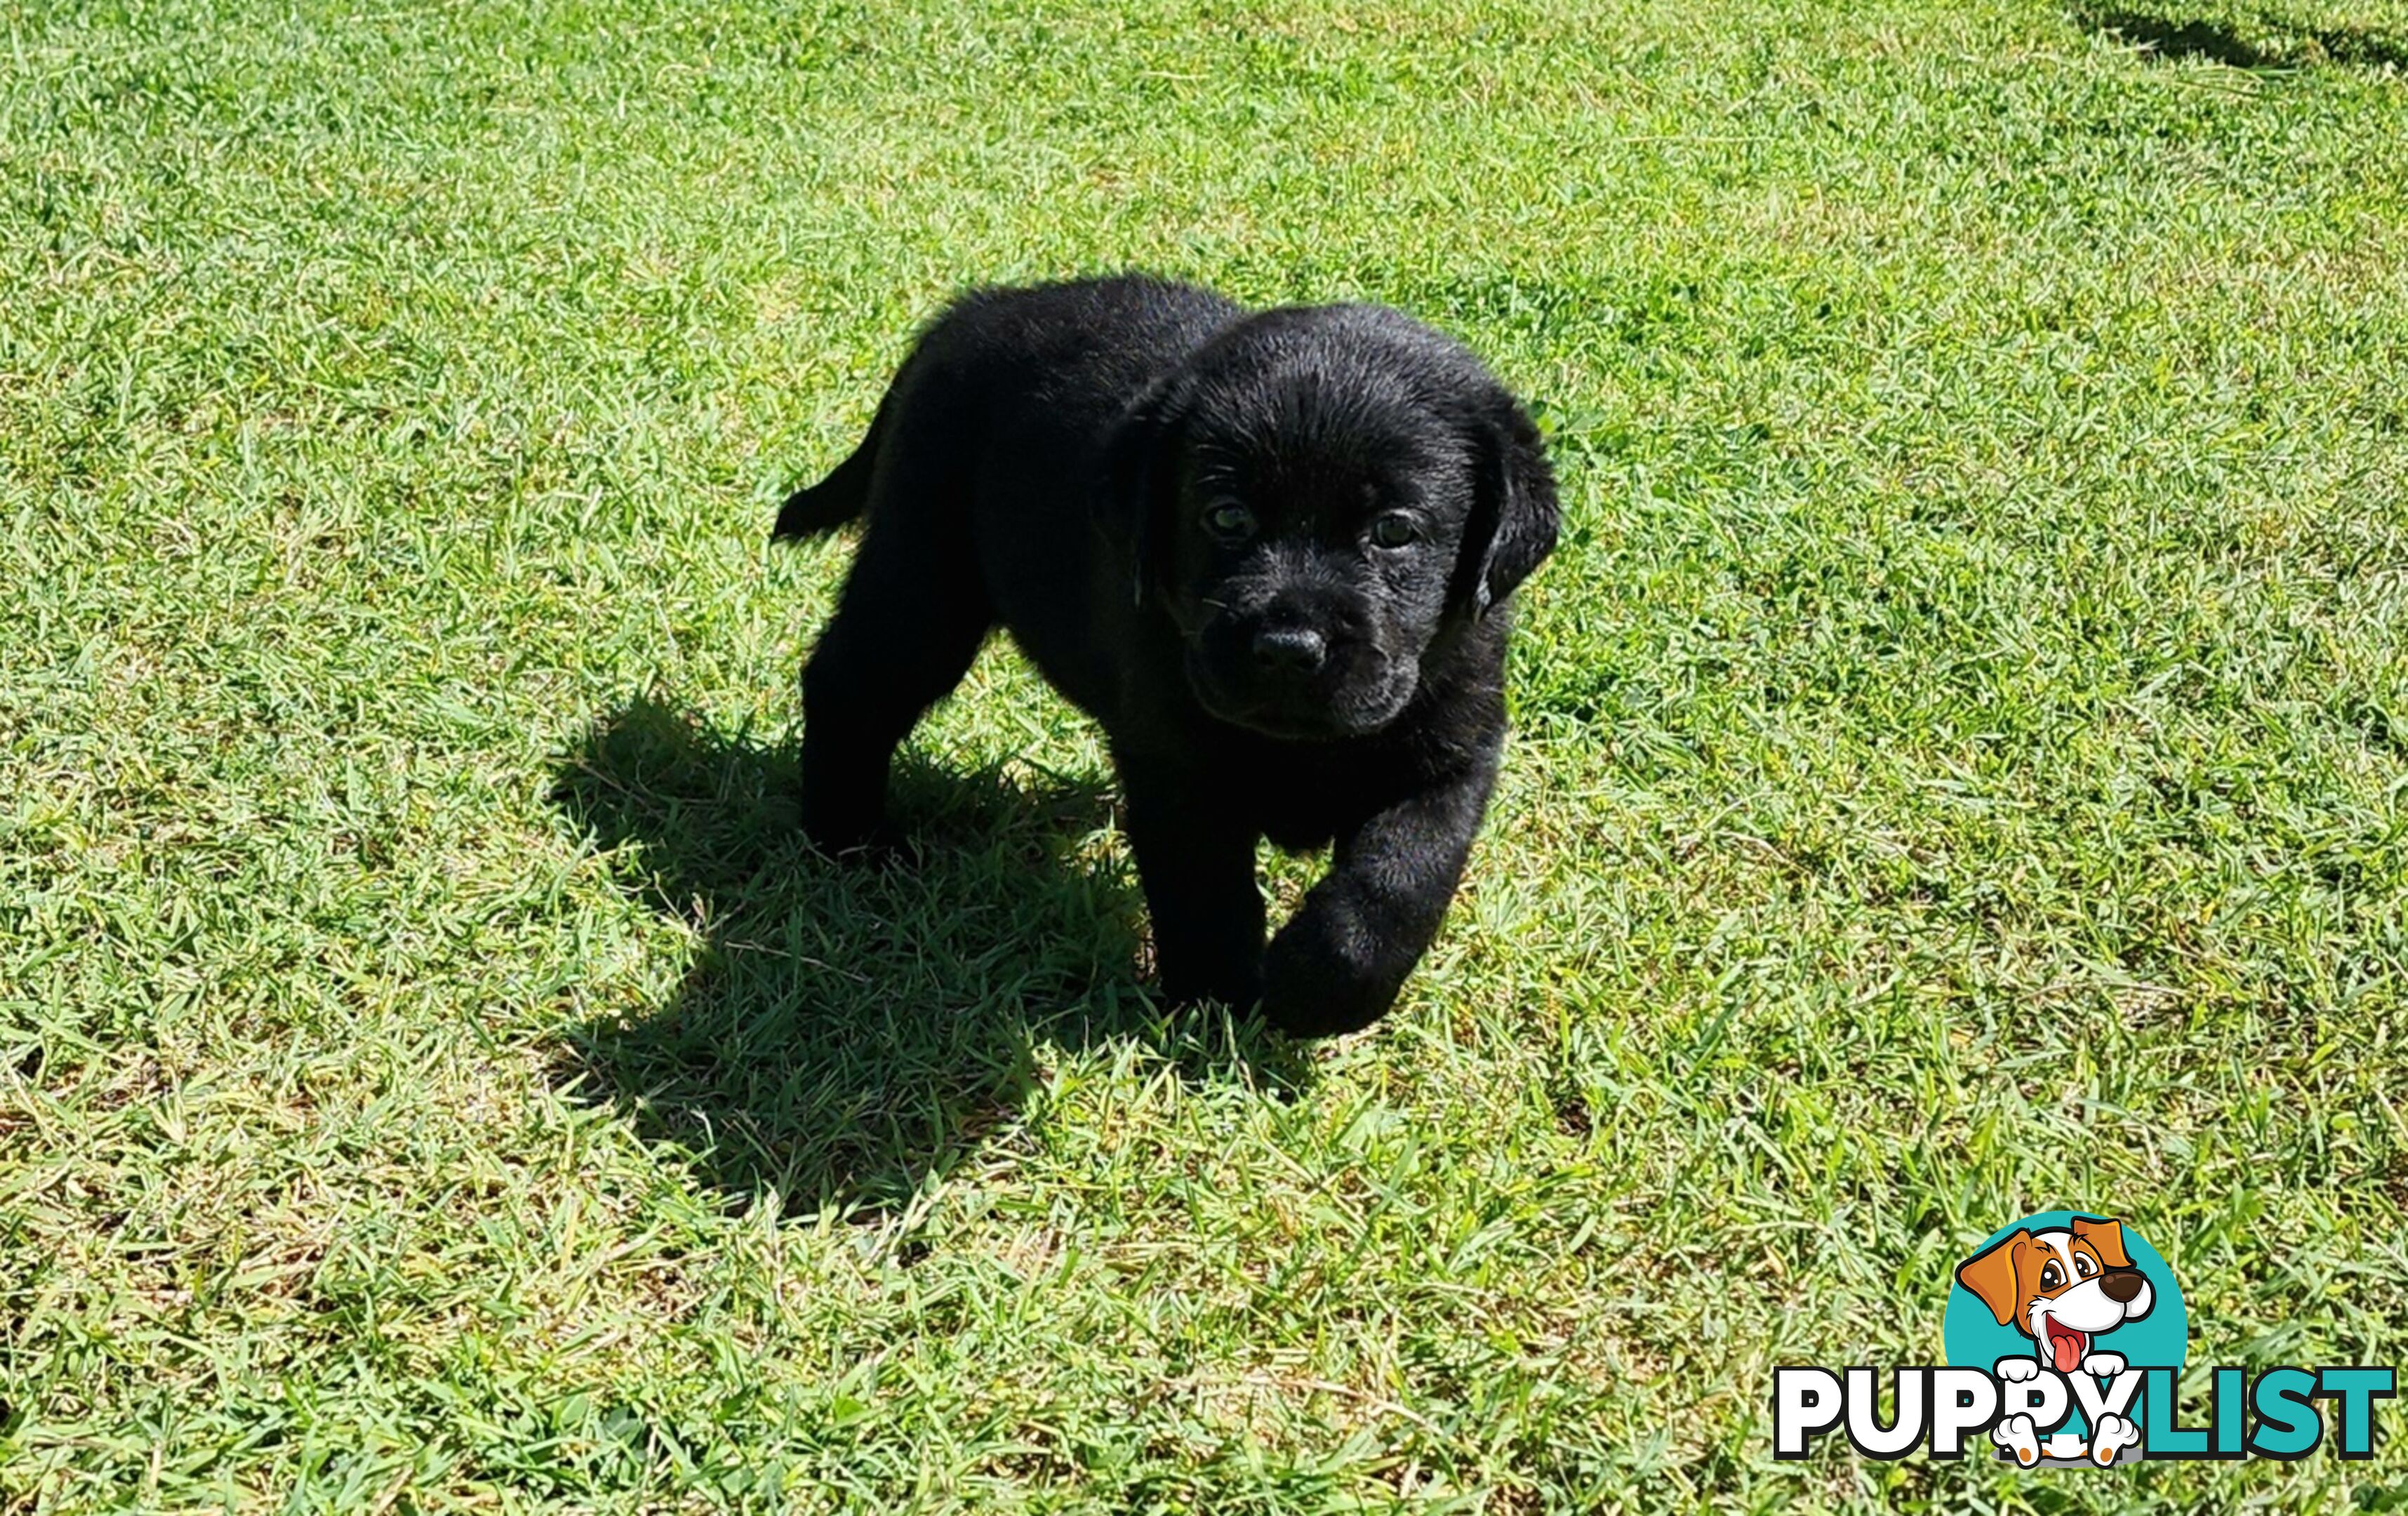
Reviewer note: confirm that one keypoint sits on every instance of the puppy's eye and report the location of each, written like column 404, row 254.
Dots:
column 2049, row 1277
column 2084, row 1266
column 1395, row 530
column 1229, row 521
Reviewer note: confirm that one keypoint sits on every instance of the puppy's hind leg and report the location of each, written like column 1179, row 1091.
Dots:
column 911, row 618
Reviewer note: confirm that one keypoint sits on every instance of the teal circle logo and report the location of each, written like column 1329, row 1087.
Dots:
column 2071, row 1292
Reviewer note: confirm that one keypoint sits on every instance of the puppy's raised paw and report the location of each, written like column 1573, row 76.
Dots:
column 1314, row 986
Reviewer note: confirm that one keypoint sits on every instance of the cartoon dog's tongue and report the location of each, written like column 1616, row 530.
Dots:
column 2065, row 1345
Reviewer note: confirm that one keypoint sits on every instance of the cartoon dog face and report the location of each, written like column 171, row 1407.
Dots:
column 2062, row 1287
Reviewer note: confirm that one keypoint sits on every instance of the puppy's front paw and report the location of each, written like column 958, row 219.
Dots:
column 2016, row 1370
column 2105, row 1365
column 1313, row 988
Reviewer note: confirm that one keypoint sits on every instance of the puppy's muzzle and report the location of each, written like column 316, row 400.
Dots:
column 1289, row 652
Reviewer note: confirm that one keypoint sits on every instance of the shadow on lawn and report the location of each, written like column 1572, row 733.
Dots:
column 2288, row 45
column 849, row 1029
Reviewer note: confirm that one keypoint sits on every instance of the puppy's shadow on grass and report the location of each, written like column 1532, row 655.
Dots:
column 848, row 1029
column 2279, row 42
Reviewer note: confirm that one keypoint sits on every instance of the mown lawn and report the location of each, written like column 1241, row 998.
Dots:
column 1961, row 766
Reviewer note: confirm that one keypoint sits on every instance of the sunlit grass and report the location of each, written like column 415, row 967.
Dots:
column 1961, row 763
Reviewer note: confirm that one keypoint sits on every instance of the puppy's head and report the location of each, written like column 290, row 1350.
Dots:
column 2062, row 1287
column 1317, row 498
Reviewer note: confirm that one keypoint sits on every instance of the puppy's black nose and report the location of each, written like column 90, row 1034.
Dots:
column 2120, row 1284
column 1290, row 649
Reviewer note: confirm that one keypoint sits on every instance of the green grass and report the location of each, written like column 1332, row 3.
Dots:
column 1961, row 763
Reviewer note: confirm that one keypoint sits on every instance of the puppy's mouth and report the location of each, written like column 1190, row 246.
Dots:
column 1286, row 725
column 1295, row 722
column 1354, row 708
column 2067, row 1346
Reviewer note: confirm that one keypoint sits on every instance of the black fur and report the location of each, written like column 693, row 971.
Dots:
column 1172, row 504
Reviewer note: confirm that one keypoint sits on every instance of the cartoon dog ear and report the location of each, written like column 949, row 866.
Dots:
column 1142, row 477
column 2107, row 1237
column 1513, row 515
column 1991, row 1276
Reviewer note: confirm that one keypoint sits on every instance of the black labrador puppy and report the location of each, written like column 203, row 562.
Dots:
column 1270, row 552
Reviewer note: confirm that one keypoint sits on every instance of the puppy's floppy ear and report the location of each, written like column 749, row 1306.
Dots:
column 1140, row 478
column 1513, row 515
column 1991, row 1276
column 2107, row 1237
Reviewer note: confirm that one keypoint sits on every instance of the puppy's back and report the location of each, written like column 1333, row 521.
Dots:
column 1069, row 355
column 981, row 464
column 1011, row 382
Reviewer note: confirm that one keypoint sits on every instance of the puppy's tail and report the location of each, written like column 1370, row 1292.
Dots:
column 838, row 499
